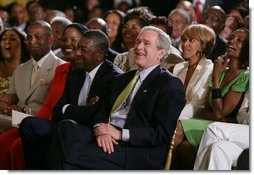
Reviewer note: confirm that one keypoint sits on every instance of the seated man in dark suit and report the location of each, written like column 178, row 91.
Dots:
column 92, row 80
column 135, row 124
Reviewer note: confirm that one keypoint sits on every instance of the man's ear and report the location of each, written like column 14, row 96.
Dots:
column 51, row 39
column 100, row 54
column 162, row 53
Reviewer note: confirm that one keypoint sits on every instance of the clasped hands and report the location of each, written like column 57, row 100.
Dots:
column 107, row 136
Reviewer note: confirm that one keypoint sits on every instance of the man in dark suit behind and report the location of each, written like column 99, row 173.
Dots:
column 91, row 53
column 215, row 18
column 136, row 134
column 100, row 24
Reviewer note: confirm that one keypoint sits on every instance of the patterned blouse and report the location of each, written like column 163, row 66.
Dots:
column 4, row 84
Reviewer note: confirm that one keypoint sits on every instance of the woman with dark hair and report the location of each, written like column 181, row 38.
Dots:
column 232, row 23
column 163, row 23
column 13, row 52
column 134, row 20
column 11, row 148
column 228, row 84
column 71, row 36
column 114, row 20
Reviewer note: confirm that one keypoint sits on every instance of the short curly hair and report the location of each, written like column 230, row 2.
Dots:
column 164, row 21
column 142, row 14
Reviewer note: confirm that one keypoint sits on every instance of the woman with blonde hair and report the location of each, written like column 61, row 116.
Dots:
column 197, row 43
column 227, row 86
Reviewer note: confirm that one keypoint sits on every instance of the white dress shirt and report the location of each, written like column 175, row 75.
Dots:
column 92, row 75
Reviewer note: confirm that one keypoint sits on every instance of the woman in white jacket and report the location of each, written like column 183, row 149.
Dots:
column 197, row 42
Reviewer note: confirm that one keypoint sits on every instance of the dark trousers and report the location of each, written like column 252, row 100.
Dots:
column 243, row 160
column 74, row 147
column 36, row 134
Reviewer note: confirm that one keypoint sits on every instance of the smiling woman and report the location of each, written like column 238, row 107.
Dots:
column 227, row 86
column 114, row 19
column 12, row 53
column 197, row 42
column 11, row 149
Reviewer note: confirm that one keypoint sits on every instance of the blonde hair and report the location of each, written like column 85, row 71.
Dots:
column 204, row 34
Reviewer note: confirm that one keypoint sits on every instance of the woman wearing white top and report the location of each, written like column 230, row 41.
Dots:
column 197, row 42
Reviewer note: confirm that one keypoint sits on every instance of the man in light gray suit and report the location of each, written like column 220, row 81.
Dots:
column 30, row 84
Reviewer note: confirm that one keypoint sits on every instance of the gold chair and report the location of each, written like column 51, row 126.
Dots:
column 169, row 156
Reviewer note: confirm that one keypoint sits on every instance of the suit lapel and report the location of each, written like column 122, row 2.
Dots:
column 146, row 85
column 81, row 76
column 97, row 80
column 26, row 81
column 144, row 89
column 182, row 74
column 195, row 77
column 42, row 74
column 121, row 84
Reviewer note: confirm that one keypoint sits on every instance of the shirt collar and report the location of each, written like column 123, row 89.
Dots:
column 94, row 71
column 144, row 73
column 56, row 51
column 42, row 60
column 22, row 26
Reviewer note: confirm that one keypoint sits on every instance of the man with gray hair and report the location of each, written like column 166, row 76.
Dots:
column 134, row 126
column 180, row 20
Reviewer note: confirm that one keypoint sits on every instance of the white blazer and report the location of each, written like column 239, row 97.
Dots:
column 197, row 89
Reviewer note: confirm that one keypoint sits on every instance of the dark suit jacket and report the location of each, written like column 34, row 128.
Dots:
column 218, row 50
column 75, row 81
column 152, row 117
